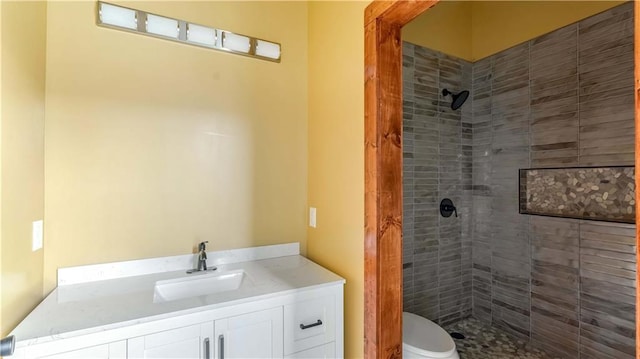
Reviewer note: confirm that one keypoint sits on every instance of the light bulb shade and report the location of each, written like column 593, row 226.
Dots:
column 118, row 16
column 162, row 26
column 268, row 49
column 236, row 42
column 201, row 34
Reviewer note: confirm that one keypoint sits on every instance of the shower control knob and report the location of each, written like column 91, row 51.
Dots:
column 447, row 208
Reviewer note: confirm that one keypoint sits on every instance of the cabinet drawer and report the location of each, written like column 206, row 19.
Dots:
column 309, row 323
column 117, row 350
column 326, row 351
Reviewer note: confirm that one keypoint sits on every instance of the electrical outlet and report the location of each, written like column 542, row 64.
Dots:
column 37, row 234
column 312, row 217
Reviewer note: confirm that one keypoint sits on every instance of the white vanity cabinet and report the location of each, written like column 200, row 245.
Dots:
column 302, row 324
column 261, row 302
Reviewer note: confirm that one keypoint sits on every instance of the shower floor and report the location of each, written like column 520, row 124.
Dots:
column 482, row 341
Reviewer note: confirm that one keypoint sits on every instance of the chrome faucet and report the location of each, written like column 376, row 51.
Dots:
column 202, row 259
column 202, row 256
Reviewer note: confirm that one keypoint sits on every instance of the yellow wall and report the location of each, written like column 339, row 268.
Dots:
column 153, row 146
column 3, row 330
column 336, row 152
column 446, row 27
column 473, row 30
column 22, row 142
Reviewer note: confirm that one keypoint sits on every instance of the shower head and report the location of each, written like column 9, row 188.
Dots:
column 458, row 99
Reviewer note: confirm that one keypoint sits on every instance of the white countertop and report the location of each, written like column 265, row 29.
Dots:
column 89, row 307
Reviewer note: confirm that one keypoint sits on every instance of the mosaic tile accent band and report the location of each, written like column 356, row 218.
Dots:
column 602, row 193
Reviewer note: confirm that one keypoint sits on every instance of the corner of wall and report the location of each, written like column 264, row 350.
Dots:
column 336, row 152
column 22, row 157
column 2, row 328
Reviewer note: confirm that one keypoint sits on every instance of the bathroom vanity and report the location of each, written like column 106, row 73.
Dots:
column 262, row 302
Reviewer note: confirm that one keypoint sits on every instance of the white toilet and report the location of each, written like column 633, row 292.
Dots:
column 424, row 339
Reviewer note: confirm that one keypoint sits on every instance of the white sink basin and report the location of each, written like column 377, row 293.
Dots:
column 197, row 284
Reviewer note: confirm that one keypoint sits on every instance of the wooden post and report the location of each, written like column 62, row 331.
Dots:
column 637, row 163
column 383, row 174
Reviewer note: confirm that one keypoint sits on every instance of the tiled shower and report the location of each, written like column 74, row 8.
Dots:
column 437, row 164
column 564, row 99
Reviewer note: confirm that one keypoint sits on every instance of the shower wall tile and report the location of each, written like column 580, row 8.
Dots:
column 466, row 202
column 562, row 99
column 554, row 135
column 407, row 176
column 510, row 257
column 555, row 285
column 605, row 69
column 607, row 285
column 481, row 158
column 437, row 159
column 606, row 136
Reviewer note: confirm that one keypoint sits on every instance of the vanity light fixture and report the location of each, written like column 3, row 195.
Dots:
column 267, row 49
column 141, row 22
column 117, row 16
column 234, row 42
column 162, row 26
column 201, row 35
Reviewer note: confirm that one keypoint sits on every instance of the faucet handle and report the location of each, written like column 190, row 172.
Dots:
column 202, row 245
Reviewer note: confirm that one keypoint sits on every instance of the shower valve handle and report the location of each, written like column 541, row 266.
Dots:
column 447, row 208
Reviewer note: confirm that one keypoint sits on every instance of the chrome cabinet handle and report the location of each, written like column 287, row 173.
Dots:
column 303, row 327
column 221, row 347
column 207, row 349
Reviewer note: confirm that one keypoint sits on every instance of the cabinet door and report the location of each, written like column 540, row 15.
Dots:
column 193, row 342
column 117, row 350
column 252, row 335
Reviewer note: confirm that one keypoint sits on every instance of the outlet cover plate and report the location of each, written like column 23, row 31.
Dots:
column 37, row 234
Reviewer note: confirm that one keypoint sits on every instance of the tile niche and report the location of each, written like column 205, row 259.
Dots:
column 597, row 193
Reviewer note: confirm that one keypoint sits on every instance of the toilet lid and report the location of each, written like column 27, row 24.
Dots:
column 424, row 337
